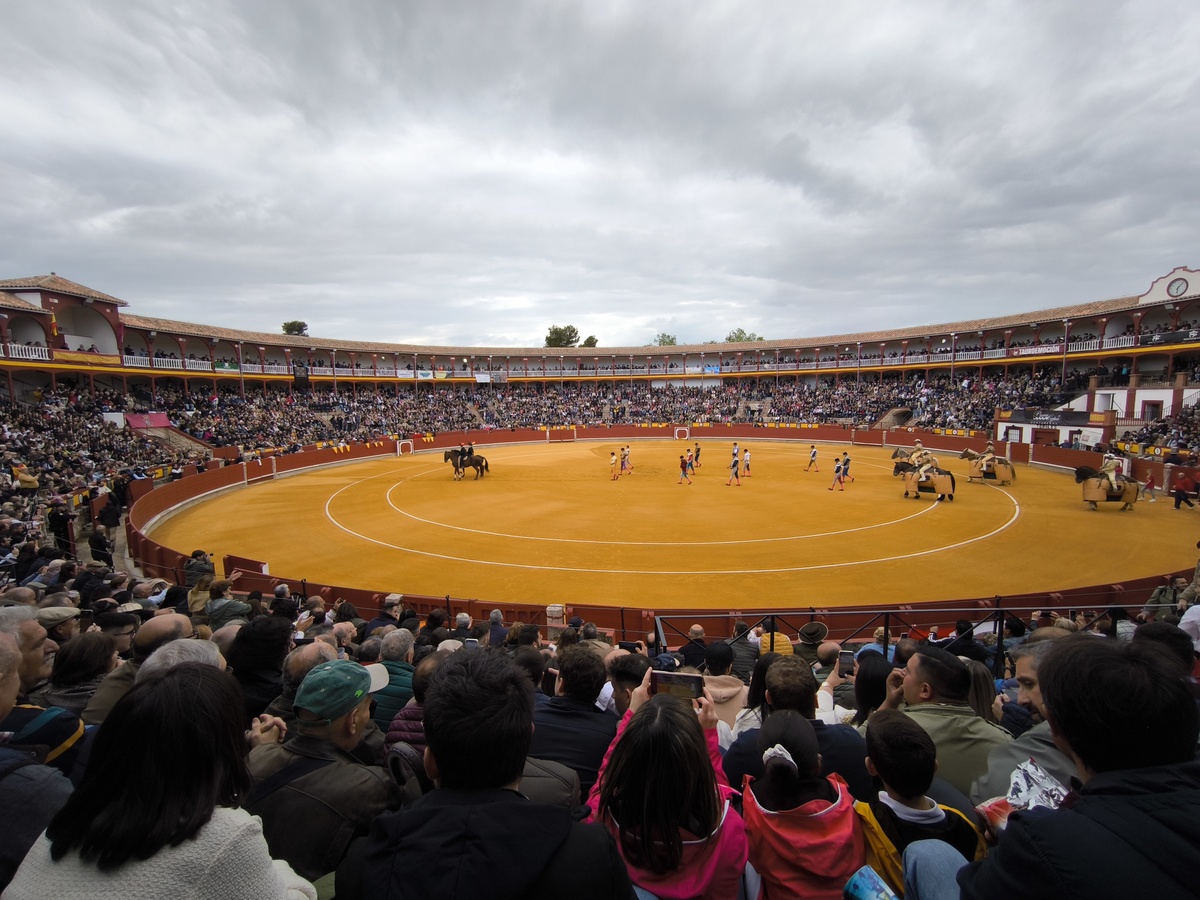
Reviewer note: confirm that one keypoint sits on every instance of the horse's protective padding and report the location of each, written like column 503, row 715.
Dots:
column 1094, row 491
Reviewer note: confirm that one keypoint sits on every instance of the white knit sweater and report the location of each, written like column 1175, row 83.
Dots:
column 228, row 859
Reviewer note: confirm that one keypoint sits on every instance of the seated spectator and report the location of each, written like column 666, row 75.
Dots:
column 32, row 793
column 805, row 840
column 751, row 715
column 79, row 667
column 745, row 653
column 693, row 650
column 532, row 662
column 154, row 633
column 661, row 793
column 879, row 643
column 934, row 687
column 199, row 595
column 965, row 644
column 408, row 724
column 315, row 779
column 1037, row 743
column 625, row 673
column 569, row 729
column 296, row 665
column 396, row 654
column 193, row 840
column 476, row 835
column 222, row 608
column 791, row 685
column 57, row 732
column 61, row 622
column 728, row 691
column 256, row 657
column 871, row 673
column 903, row 757
column 1128, row 828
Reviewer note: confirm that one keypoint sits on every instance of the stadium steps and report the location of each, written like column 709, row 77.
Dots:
column 896, row 417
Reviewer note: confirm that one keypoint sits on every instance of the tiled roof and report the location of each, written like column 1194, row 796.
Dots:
column 968, row 327
column 8, row 301
column 58, row 285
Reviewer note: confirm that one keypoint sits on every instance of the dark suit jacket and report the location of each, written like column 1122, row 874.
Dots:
column 574, row 734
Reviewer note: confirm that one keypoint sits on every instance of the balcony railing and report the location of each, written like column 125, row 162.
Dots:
column 21, row 351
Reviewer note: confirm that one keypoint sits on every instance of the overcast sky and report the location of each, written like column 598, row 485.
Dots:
column 471, row 173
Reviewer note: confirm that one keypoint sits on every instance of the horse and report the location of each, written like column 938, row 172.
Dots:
column 454, row 457
column 941, row 481
column 1095, row 488
column 476, row 462
column 1002, row 469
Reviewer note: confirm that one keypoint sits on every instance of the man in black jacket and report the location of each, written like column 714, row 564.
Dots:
column 569, row 729
column 1129, row 826
column 476, row 835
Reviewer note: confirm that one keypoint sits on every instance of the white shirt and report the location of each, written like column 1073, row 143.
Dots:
column 1191, row 624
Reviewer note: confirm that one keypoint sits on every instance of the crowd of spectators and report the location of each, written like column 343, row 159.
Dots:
column 294, row 751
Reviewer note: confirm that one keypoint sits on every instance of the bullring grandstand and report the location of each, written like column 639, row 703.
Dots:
column 202, row 409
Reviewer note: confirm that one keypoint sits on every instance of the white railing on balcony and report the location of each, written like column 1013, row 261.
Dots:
column 964, row 355
column 1083, row 346
column 20, row 351
column 385, row 372
column 273, row 369
column 998, row 353
column 320, row 370
column 161, row 363
column 198, row 365
column 1125, row 341
column 251, row 368
column 140, row 362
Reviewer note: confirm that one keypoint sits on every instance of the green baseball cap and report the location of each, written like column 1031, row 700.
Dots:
column 334, row 688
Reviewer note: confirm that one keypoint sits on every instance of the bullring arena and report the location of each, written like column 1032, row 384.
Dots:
column 548, row 522
column 322, row 461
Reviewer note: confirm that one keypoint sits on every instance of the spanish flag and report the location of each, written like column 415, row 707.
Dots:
column 53, row 325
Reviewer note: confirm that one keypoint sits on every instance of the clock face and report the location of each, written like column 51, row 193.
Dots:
column 1177, row 287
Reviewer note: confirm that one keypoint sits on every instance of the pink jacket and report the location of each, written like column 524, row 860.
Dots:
column 712, row 865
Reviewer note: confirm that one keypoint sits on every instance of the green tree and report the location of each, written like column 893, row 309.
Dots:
column 296, row 327
column 562, row 336
column 742, row 336
column 662, row 339
column 589, row 341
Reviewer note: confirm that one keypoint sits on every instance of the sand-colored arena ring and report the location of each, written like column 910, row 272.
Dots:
column 547, row 524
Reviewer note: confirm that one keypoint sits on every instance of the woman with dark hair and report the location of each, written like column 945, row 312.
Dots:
column 256, row 658
column 662, row 793
column 871, row 671
column 79, row 667
column 805, row 837
column 751, row 716
column 180, row 734
column 345, row 611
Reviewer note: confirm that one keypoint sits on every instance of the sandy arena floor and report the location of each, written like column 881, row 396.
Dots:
column 548, row 525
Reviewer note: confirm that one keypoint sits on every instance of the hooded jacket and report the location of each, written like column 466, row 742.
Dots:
column 1129, row 833
column 460, row 845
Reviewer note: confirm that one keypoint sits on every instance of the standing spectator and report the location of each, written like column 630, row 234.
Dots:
column 101, row 546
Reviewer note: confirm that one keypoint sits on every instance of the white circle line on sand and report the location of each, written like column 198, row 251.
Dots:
column 673, row 573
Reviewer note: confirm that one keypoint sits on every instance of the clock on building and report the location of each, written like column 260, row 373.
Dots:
column 1177, row 287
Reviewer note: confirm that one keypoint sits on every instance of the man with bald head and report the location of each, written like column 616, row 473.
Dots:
column 22, row 596
column 154, row 633
column 299, row 663
column 32, row 793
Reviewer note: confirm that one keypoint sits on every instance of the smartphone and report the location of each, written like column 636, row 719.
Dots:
column 86, row 619
column 472, row 643
column 1071, row 614
column 631, row 646
column 677, row 684
column 904, row 635
column 933, row 633
column 845, row 663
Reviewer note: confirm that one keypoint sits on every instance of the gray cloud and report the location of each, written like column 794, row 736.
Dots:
column 472, row 173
